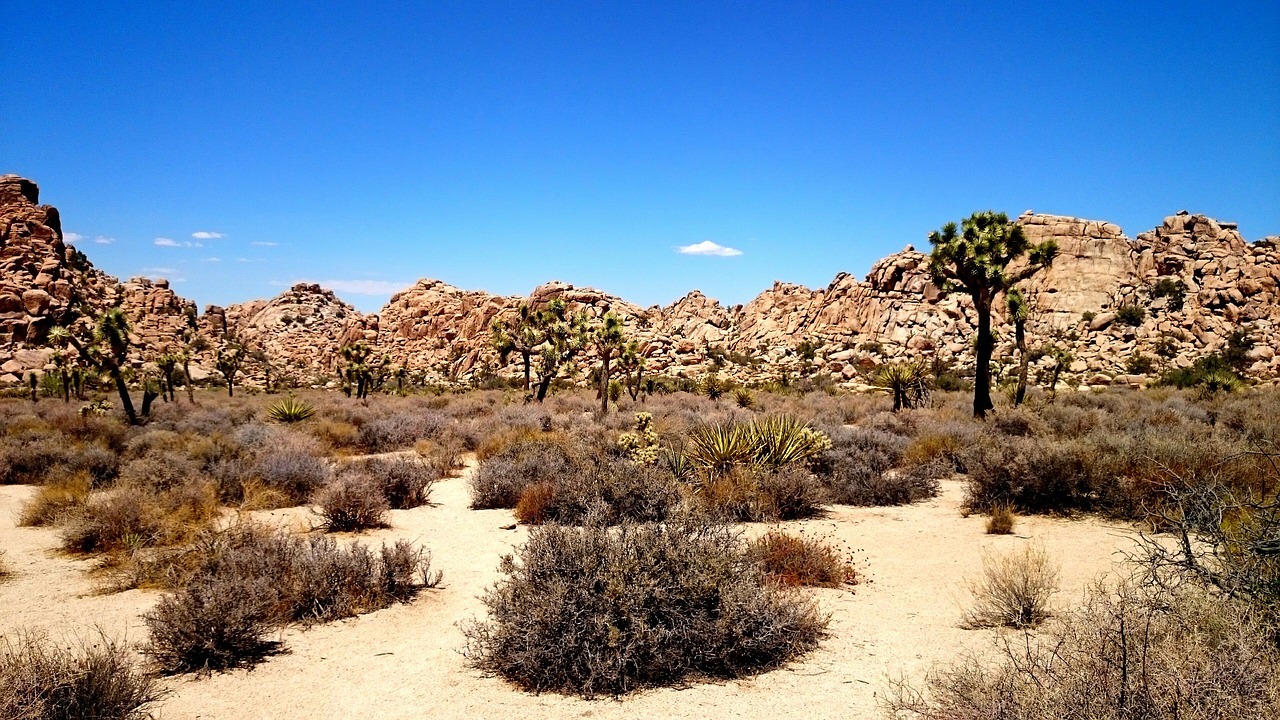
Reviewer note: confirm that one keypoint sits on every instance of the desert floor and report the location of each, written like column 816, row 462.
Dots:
column 406, row 661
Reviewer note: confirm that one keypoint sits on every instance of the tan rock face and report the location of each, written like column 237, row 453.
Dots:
column 443, row 331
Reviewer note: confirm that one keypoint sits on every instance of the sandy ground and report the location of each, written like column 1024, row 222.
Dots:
column 406, row 661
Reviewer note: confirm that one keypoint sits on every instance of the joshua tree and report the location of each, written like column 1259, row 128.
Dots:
column 359, row 371
column 1017, row 305
column 64, row 364
column 908, row 382
column 1061, row 359
column 107, row 351
column 525, row 335
column 227, row 362
column 631, row 366
column 975, row 259
column 168, row 365
column 566, row 335
column 609, row 338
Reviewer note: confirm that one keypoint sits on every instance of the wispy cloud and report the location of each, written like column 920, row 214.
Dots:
column 706, row 247
column 170, row 242
column 353, row 287
column 157, row 270
column 265, row 244
column 212, row 260
column 104, row 240
column 73, row 237
column 207, row 235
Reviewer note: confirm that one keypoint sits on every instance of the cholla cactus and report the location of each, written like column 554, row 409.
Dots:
column 641, row 446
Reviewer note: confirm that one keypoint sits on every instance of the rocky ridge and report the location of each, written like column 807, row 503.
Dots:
column 442, row 332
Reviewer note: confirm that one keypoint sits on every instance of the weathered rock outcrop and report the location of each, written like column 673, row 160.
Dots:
column 1196, row 280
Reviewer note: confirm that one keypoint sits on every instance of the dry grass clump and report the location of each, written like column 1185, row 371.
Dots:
column 234, row 587
column 597, row 610
column 128, row 518
column 796, row 560
column 1014, row 589
column 56, row 502
column 99, row 680
column 754, row 494
column 1126, row 653
column 1000, row 521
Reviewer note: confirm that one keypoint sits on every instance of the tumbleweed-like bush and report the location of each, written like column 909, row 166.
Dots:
column 598, row 610
column 97, row 680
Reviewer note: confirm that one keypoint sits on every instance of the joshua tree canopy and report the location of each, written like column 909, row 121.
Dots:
column 974, row 258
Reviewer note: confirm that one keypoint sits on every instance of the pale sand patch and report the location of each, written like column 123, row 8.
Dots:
column 406, row 661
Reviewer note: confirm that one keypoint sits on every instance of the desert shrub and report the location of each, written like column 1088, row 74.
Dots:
column 595, row 610
column 1000, row 521
column 1014, row 589
column 797, row 560
column 159, row 470
column 770, row 442
column 55, row 502
column 744, row 398
column 294, row 472
column 404, row 482
column 1139, row 364
column 400, row 430
column 756, row 494
column 130, row 518
column 28, row 458
column 98, row 680
column 234, row 586
column 859, row 470
column 1018, row 422
column 351, row 503
column 499, row 480
column 610, row 490
column 1127, row 652
column 1036, row 475
column 1131, row 314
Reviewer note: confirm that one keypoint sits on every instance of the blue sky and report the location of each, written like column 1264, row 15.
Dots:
column 499, row 145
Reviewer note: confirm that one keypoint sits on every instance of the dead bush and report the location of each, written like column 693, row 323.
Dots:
column 1001, row 520
column 56, row 502
column 351, row 503
column 796, row 560
column 598, row 610
column 1014, row 589
column 404, row 482
column 98, row 680
column 1126, row 653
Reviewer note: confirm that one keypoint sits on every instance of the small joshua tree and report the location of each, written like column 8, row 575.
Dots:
column 631, row 366
column 1018, row 314
column 524, row 336
column 227, row 362
column 974, row 258
column 168, row 365
column 609, row 339
column 106, row 350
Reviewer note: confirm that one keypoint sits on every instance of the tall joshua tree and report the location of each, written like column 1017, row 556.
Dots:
column 523, row 336
column 227, row 361
column 566, row 336
column 1018, row 313
column 974, row 258
column 106, row 350
column 609, row 338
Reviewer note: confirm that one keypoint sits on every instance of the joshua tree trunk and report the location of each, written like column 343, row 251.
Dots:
column 186, row 376
column 1020, row 334
column 526, row 357
column 125, row 401
column 982, row 374
column 604, row 383
column 148, row 397
column 66, row 386
column 35, row 396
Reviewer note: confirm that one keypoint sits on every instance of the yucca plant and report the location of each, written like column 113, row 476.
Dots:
column 291, row 410
column 781, row 440
column 909, row 382
column 715, row 449
column 744, row 397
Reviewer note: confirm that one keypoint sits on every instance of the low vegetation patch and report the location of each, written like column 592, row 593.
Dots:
column 796, row 560
column 597, row 610
column 1014, row 589
column 44, row 680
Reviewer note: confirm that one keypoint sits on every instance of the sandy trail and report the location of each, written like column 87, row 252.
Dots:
column 406, row 661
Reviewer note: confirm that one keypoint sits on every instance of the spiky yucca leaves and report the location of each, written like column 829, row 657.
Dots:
column 291, row 410
column 910, row 383
column 782, row 440
column 769, row 443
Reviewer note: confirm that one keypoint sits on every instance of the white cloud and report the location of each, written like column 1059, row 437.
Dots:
column 265, row 244
column 104, row 240
column 355, row 287
column 158, row 271
column 73, row 237
column 706, row 247
column 170, row 242
column 212, row 259
column 207, row 235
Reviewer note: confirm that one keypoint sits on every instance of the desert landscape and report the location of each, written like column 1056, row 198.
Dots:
column 640, row 360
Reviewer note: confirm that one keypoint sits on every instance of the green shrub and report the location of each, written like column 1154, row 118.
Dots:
column 594, row 610
column 1131, row 314
column 1139, row 364
column 1174, row 290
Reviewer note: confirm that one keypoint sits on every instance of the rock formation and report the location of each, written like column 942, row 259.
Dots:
column 1195, row 279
